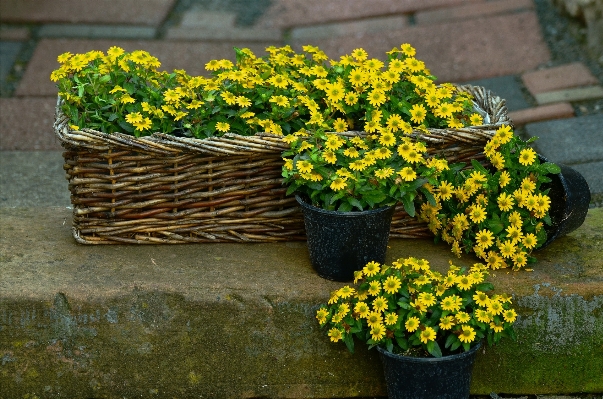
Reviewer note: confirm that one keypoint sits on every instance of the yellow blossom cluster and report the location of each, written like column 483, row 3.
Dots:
column 408, row 305
column 498, row 213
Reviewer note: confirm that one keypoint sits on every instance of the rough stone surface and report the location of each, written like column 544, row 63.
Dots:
column 569, row 141
column 562, row 77
column 33, row 179
column 542, row 113
column 140, row 12
column 14, row 33
column 26, row 124
column 108, row 321
column 506, row 87
column 190, row 56
column 461, row 51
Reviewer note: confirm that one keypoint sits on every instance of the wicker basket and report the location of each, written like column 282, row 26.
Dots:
column 163, row 189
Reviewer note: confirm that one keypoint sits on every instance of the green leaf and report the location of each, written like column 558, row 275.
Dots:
column 551, row 168
column 449, row 340
column 434, row 349
column 402, row 342
column 430, row 198
column 345, row 207
column 455, row 345
column 355, row 203
column 479, row 167
column 409, row 205
column 349, row 342
column 389, row 345
column 496, row 225
column 375, row 197
column 532, row 139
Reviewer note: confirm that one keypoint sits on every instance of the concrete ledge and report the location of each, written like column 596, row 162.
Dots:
column 237, row 320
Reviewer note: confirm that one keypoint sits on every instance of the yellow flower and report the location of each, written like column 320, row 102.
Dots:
column 359, row 54
column 418, row 113
column 407, row 174
column 384, row 173
column 340, row 125
column 338, row 184
column 412, row 323
column 467, row 334
column 377, row 332
column 387, row 139
column 392, row 284
column 477, row 213
column 374, row 319
column 446, row 322
column 335, row 334
column 380, row 304
column 371, row 269
column 427, row 298
column 505, row 202
column 391, row 318
column 357, row 165
column 362, row 309
column 222, row 126
column 507, row 249
column 333, row 142
column 527, row 156
column 321, row 315
column 529, row 241
column 304, row 166
column 376, row 98
column 510, row 315
column 484, row 238
column 464, row 282
column 428, row 334
column 451, row 303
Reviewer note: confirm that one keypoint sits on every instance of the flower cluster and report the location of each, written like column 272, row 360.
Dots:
column 282, row 93
column 389, row 102
column 408, row 308
column 498, row 213
column 116, row 91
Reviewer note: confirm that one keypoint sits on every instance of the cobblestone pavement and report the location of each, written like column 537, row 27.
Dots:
column 525, row 51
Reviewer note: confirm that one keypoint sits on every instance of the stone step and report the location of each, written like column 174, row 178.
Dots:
column 237, row 320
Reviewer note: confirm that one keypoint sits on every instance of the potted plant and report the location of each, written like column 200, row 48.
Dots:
column 426, row 325
column 347, row 183
column 505, row 210
column 165, row 157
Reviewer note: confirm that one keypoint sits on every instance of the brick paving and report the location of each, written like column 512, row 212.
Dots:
column 498, row 44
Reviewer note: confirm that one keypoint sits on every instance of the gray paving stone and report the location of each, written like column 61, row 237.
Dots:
column 32, row 179
column 97, row 31
column 570, row 141
column 593, row 174
column 507, row 87
column 8, row 55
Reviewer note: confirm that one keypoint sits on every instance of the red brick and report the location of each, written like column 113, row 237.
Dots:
column 26, row 124
column 188, row 55
column 566, row 76
column 138, row 12
column 292, row 13
column 472, row 11
column 542, row 113
column 461, row 51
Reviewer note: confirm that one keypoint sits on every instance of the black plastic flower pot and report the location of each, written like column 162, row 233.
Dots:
column 340, row 243
column 447, row 377
column 570, row 199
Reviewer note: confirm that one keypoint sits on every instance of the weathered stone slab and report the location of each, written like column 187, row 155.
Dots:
column 26, row 124
column 8, row 54
column 237, row 320
column 33, row 179
column 576, row 94
column 97, row 31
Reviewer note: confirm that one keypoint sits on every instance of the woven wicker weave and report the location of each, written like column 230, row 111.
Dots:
column 166, row 189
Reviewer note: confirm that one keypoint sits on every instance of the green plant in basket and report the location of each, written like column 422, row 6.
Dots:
column 410, row 309
column 500, row 212
column 338, row 171
column 115, row 92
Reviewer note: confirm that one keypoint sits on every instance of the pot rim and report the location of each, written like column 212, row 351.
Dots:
column 313, row 208
column 457, row 356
